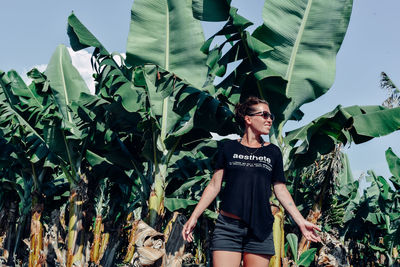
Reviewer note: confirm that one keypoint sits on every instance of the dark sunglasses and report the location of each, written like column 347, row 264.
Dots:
column 264, row 114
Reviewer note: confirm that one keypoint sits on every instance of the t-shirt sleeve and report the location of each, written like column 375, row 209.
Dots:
column 278, row 174
column 219, row 159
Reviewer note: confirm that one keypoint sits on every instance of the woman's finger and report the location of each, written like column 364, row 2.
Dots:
column 185, row 232
column 316, row 227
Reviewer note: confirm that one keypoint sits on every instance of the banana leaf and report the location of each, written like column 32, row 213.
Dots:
column 306, row 36
column 27, row 95
column 80, row 37
column 16, row 124
column 64, row 133
column 165, row 33
column 252, row 76
column 345, row 177
column 211, row 10
column 394, row 167
column 65, row 81
column 356, row 124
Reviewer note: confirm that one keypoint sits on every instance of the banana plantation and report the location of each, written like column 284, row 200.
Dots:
column 108, row 178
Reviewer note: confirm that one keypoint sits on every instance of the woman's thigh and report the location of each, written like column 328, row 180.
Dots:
column 223, row 258
column 255, row 260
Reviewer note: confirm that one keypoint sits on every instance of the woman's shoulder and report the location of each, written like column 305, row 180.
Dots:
column 273, row 147
column 226, row 143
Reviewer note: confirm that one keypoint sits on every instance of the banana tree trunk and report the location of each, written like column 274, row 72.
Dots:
column 75, row 227
column 131, row 247
column 36, row 257
column 156, row 201
column 100, row 241
column 278, row 259
column 10, row 238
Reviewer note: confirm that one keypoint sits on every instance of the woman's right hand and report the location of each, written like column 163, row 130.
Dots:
column 187, row 231
column 209, row 194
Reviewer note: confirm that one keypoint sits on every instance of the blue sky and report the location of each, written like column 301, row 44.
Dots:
column 31, row 30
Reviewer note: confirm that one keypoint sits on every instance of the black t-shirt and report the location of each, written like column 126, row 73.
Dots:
column 248, row 175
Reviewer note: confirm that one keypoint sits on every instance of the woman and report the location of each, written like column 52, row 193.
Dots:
column 249, row 166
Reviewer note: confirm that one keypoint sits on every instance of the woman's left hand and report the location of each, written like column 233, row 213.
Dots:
column 308, row 230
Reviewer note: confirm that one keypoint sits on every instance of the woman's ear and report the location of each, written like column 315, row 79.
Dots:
column 247, row 119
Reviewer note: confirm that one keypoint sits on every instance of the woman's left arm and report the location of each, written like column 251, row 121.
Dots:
column 307, row 228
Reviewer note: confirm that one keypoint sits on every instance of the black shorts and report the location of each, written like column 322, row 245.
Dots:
column 234, row 235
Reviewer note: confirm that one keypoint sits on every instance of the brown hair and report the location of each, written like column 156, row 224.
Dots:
column 245, row 108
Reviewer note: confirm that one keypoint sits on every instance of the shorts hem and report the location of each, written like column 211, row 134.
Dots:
column 227, row 249
column 269, row 253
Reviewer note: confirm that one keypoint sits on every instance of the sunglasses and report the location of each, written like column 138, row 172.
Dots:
column 264, row 114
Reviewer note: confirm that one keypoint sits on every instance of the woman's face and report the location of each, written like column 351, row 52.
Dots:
column 258, row 123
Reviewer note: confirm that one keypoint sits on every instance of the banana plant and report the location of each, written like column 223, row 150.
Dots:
column 36, row 177
column 31, row 117
column 305, row 258
column 304, row 58
column 52, row 130
column 372, row 219
column 175, row 48
column 308, row 143
column 16, row 186
column 21, row 171
column 279, row 63
column 68, row 141
column 172, row 111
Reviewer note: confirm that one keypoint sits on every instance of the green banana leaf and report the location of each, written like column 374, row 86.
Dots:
column 345, row 177
column 306, row 36
column 378, row 123
column 376, row 213
column 80, row 37
column 183, row 114
column 66, row 82
column 21, row 126
column 27, row 96
column 394, row 167
column 15, row 124
column 173, row 204
column 251, row 76
column 356, row 124
column 165, row 33
column 188, row 175
column 211, row 10
column 293, row 244
column 113, row 79
column 307, row 257
column 64, row 133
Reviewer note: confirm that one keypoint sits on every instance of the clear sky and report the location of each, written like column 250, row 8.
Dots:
column 31, row 30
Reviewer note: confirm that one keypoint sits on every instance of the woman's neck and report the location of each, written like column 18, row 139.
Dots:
column 251, row 140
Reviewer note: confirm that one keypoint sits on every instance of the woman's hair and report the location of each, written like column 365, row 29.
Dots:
column 245, row 108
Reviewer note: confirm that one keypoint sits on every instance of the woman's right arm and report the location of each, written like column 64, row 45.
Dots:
column 209, row 194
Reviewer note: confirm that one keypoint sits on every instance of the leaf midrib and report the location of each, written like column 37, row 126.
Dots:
column 29, row 92
column 64, row 85
column 165, row 102
column 296, row 45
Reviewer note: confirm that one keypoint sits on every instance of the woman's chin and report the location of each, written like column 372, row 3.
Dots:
column 264, row 132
